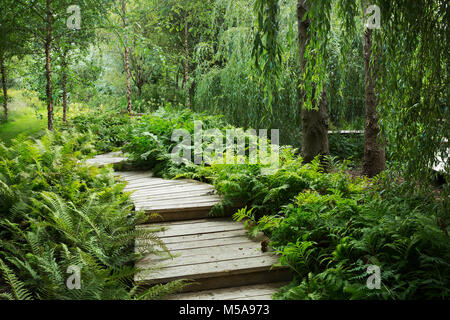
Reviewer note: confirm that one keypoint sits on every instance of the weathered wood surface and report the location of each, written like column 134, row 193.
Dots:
column 253, row 292
column 216, row 254
column 207, row 248
column 169, row 198
column 108, row 158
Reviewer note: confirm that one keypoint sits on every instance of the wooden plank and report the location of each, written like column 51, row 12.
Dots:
column 174, row 195
column 148, row 179
column 173, row 207
column 138, row 177
column 176, row 215
column 233, row 293
column 154, row 184
column 205, row 270
column 200, row 255
column 257, row 297
column 132, row 174
column 173, row 187
column 150, row 188
column 181, row 222
column 198, row 225
column 191, row 231
column 169, row 190
column 243, row 279
column 106, row 159
column 135, row 180
column 199, row 237
column 205, row 243
column 172, row 191
column 169, row 203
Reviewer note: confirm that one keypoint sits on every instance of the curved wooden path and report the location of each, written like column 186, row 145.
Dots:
column 215, row 253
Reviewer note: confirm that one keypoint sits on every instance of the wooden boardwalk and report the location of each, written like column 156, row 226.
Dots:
column 215, row 253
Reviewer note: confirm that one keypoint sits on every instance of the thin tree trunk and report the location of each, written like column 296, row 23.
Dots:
column 186, row 63
column 374, row 146
column 64, row 84
column 48, row 42
column 5, row 89
column 127, row 59
column 314, row 122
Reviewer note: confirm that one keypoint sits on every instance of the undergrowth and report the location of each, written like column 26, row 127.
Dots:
column 56, row 212
column 327, row 226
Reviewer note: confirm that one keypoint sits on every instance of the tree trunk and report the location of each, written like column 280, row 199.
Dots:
column 314, row 122
column 48, row 43
column 5, row 89
column 374, row 146
column 64, row 84
column 186, row 63
column 127, row 59
column 139, row 89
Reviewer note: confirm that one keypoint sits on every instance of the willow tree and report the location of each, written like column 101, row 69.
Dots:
column 411, row 88
column 374, row 145
column 315, row 119
column 414, row 84
column 312, row 92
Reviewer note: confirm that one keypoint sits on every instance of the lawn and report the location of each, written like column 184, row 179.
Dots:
column 26, row 116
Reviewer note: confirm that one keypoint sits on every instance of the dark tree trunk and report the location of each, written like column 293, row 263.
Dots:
column 127, row 59
column 374, row 146
column 5, row 89
column 64, row 84
column 139, row 89
column 186, row 63
column 48, row 68
column 314, row 122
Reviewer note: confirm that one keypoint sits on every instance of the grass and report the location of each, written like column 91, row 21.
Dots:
column 26, row 116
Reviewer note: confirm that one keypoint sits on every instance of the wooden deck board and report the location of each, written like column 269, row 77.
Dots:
column 235, row 293
column 206, row 269
column 172, row 199
column 216, row 253
column 106, row 159
column 206, row 249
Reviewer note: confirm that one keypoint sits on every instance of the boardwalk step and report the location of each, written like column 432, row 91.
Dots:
column 215, row 253
column 172, row 200
column 252, row 292
column 113, row 158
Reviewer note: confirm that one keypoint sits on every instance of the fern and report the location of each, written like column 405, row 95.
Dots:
column 18, row 290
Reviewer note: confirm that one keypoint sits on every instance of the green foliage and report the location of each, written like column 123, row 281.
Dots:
column 329, row 240
column 347, row 146
column 111, row 129
column 57, row 212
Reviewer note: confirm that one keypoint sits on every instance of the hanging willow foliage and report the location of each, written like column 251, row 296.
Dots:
column 412, row 87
